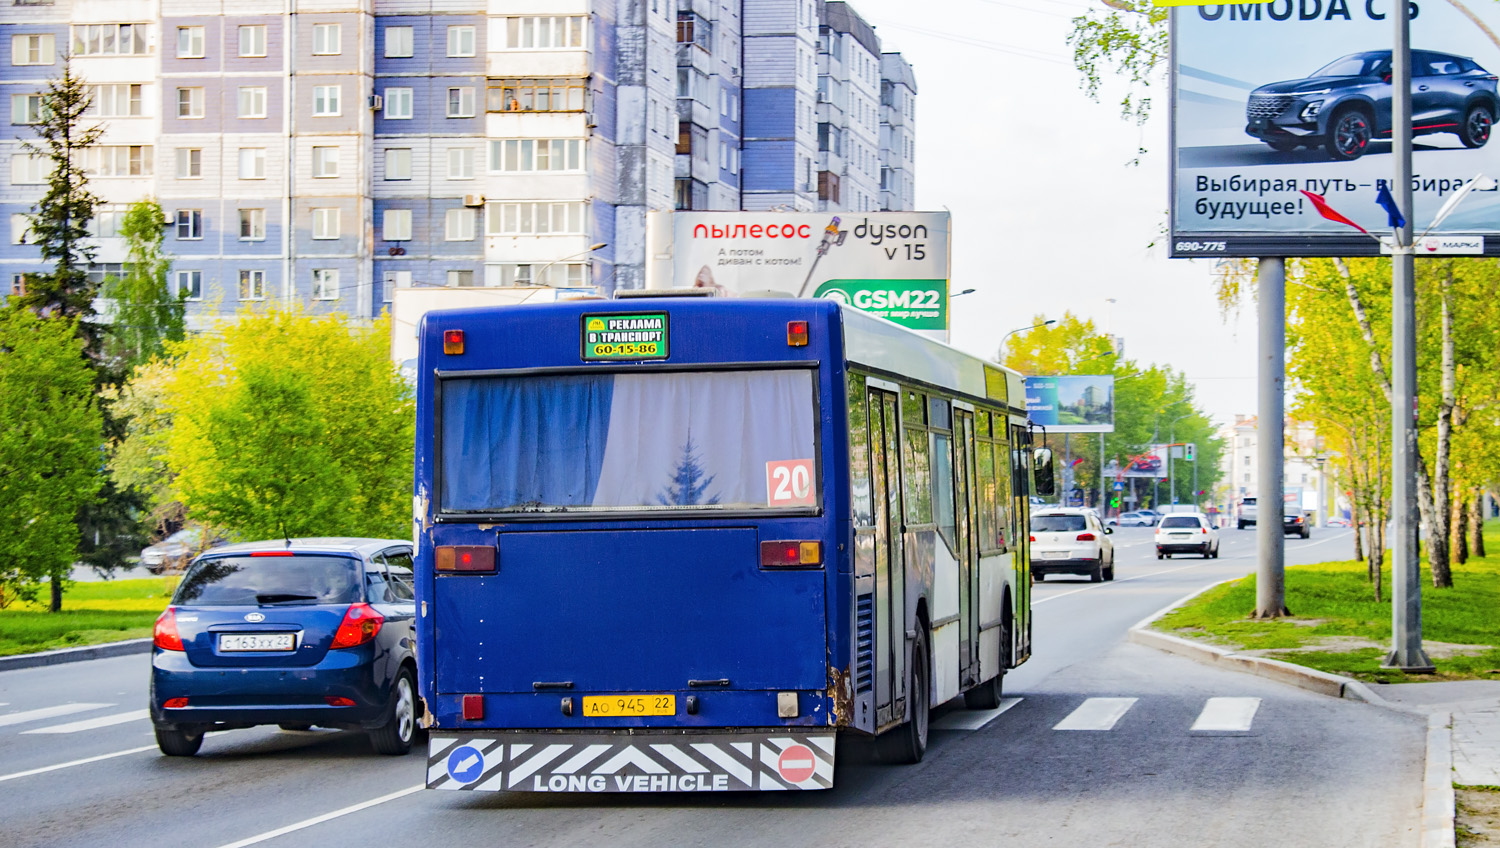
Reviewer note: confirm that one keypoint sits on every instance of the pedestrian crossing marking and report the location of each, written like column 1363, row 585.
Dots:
column 1227, row 714
column 48, row 712
column 973, row 719
column 1096, row 714
column 94, row 723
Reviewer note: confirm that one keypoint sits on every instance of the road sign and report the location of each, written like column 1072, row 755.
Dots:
column 1119, row 485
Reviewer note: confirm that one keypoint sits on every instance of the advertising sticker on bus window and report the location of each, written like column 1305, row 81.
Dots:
column 789, row 482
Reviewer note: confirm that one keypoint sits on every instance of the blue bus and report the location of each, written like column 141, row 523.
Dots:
column 683, row 543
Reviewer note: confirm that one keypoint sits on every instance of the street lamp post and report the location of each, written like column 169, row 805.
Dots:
column 1000, row 355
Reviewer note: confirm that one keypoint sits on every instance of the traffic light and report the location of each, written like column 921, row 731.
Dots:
column 1187, row 451
column 1114, row 502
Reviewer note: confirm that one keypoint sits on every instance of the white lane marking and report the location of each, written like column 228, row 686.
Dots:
column 48, row 712
column 1096, row 714
column 44, row 769
column 1228, row 714
column 973, row 719
column 306, row 823
column 93, row 723
column 1036, row 601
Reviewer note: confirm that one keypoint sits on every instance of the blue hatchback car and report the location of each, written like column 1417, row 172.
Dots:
column 295, row 633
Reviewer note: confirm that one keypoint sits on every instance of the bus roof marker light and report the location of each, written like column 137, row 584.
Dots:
column 453, row 342
column 796, row 333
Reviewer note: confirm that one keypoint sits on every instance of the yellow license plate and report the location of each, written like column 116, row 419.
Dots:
column 606, row 706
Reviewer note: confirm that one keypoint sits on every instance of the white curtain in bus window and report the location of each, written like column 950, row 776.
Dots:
column 626, row 441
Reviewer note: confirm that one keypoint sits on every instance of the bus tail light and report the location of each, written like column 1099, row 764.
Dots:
column 1085, row 537
column 166, row 636
column 470, row 558
column 359, row 626
column 791, row 553
column 453, row 341
column 796, row 333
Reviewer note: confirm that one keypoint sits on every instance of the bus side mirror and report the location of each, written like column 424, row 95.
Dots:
column 1042, row 471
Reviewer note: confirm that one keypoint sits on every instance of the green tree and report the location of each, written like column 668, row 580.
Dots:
column 51, row 449
column 145, row 316
column 290, row 424
column 1125, row 40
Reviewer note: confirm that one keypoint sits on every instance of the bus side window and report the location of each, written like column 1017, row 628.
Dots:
column 915, row 461
column 942, row 489
column 1005, row 513
column 859, row 452
column 991, row 533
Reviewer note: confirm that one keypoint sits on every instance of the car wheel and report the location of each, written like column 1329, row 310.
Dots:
column 294, row 726
column 1097, row 574
column 395, row 736
column 1477, row 125
column 987, row 695
column 1160, row 555
column 1216, row 551
column 908, row 743
column 1283, row 146
column 1109, row 573
column 1349, row 135
column 1306, row 534
column 179, row 743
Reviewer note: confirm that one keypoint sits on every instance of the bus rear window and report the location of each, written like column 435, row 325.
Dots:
column 723, row 440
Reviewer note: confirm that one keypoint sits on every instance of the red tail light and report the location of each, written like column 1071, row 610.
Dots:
column 1205, row 531
column 359, row 626
column 793, row 553
column 174, row 703
column 473, row 706
column 272, row 553
column 453, row 342
column 796, row 333
column 166, row 636
column 472, row 558
column 338, row 701
column 1085, row 537
column 1033, row 538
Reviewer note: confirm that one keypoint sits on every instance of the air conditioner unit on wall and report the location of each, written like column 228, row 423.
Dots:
column 376, row 102
column 473, row 200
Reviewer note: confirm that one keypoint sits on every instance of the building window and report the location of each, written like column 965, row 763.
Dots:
column 544, row 274
column 252, row 101
column 119, row 100
column 190, row 42
column 458, row 225
column 461, row 41
column 325, row 162
column 534, row 219
column 123, row 160
column 461, row 102
column 460, row 278
column 189, row 163
column 253, row 40
column 542, row 154
column 682, row 194
column 397, row 104
column 189, row 224
column 38, row 49
column 252, row 225
column 110, row 40
column 325, row 284
column 461, row 163
column 395, row 225
column 538, row 33
column 189, row 102
column 325, row 223
column 106, row 223
column 326, row 39
column 1247, row 478
column 25, row 108
column 20, row 228
column 395, row 280
column 188, row 285
column 26, row 169
column 536, row 95
column 398, row 163
column 252, row 285
column 252, row 163
column 325, row 100
column 398, row 42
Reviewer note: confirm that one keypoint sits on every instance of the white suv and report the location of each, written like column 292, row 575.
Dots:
column 1186, row 533
column 1070, row 541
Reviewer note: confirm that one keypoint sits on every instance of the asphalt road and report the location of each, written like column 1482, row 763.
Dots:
column 1300, row 770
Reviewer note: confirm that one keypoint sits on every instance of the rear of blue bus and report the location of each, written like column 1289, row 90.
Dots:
column 628, row 560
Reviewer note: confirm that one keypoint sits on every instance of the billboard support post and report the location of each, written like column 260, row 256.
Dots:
column 1406, row 589
column 1270, row 579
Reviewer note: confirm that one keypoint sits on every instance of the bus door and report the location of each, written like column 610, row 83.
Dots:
column 890, row 581
column 1020, row 453
column 968, row 545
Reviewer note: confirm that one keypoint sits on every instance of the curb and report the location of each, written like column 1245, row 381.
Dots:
column 1437, row 784
column 67, row 655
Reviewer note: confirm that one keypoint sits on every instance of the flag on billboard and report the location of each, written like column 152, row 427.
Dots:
column 1330, row 213
column 1393, row 212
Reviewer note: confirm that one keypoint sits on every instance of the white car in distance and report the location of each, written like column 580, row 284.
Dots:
column 1186, row 533
column 1071, row 541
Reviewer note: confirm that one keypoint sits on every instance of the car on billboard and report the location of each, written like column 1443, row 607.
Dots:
column 1346, row 104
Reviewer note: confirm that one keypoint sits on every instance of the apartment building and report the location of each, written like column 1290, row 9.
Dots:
column 327, row 152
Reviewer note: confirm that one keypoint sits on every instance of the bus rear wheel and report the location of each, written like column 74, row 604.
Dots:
column 908, row 743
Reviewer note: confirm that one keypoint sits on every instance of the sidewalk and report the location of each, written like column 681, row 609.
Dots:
column 1475, row 707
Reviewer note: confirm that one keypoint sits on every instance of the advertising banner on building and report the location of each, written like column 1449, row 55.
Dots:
column 891, row 264
column 1072, row 404
column 1280, row 107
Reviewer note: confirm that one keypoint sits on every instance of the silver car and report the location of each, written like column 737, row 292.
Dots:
column 174, row 552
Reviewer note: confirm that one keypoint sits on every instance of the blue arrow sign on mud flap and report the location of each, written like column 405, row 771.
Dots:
column 465, row 764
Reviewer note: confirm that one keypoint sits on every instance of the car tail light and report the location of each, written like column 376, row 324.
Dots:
column 472, row 558
column 359, row 626
column 338, row 701
column 1033, row 538
column 174, row 703
column 453, row 342
column 793, row 553
column 166, row 636
column 473, row 707
column 796, row 333
column 1085, row 537
column 1205, row 531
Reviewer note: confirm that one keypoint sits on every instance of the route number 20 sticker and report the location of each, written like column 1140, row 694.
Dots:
column 789, row 482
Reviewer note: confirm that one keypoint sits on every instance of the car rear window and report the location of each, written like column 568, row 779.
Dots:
column 1056, row 523
column 248, row 581
column 1179, row 521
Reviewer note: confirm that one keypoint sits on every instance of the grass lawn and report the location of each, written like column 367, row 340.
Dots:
column 1337, row 626
column 93, row 613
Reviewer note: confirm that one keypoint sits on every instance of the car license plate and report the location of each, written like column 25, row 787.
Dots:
column 257, row 641
column 610, row 706
column 1054, row 554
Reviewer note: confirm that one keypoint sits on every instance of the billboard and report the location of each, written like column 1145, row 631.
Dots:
column 1149, row 464
column 1272, row 101
column 1072, row 404
column 891, row 264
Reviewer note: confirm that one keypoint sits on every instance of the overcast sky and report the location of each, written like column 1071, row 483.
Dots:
column 1048, row 214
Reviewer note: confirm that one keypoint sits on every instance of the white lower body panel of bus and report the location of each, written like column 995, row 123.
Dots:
column 630, row 762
